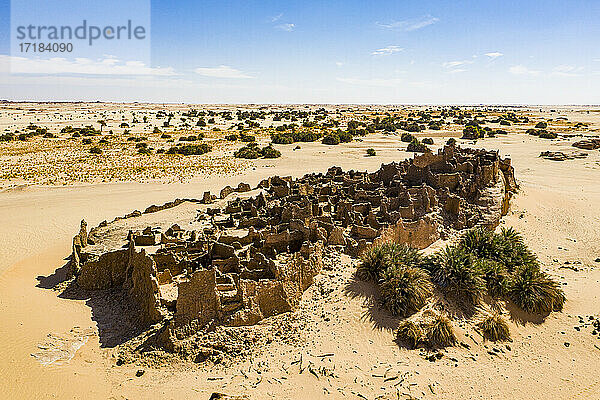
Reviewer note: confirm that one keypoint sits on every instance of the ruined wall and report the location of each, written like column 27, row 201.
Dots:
column 198, row 299
column 143, row 285
column 104, row 271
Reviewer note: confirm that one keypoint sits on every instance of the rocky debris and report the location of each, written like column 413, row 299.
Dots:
column 561, row 156
column 588, row 144
column 221, row 396
column 254, row 256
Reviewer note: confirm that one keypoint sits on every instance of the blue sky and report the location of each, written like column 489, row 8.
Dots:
column 460, row 52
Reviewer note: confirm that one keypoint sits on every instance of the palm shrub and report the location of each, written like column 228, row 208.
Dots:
column 513, row 250
column 494, row 327
column 404, row 290
column 378, row 258
column 534, row 291
column 410, row 333
column 506, row 247
column 496, row 277
column 439, row 332
column 481, row 242
column 454, row 270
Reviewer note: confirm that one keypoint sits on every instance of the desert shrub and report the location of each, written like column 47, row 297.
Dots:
column 306, row 136
column 144, row 150
column 454, row 270
column 494, row 327
column 232, row 138
column 270, row 152
column 473, row 132
column 404, row 290
column 191, row 138
column 504, row 122
column 251, row 151
column 141, row 145
column 7, row 137
column 407, row 137
column 439, row 332
column 417, row 147
column 165, row 136
column 427, row 140
column 371, row 152
column 548, row 135
column 345, row 137
column 156, row 130
column 331, row 139
column 409, row 333
column 376, row 259
column 190, row 149
column 541, row 125
column 281, row 138
column 95, row 150
column 86, row 141
column 535, row 292
column 451, row 141
column 247, row 138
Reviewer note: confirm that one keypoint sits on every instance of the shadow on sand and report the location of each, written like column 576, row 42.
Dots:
column 111, row 308
column 368, row 291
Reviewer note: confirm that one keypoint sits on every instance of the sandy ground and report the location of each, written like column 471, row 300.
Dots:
column 345, row 338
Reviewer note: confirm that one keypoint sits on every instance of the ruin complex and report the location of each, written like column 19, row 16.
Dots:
column 251, row 253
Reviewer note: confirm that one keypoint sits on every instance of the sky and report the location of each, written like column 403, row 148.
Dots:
column 376, row 52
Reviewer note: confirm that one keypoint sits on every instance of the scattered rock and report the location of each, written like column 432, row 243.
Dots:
column 561, row 156
column 588, row 144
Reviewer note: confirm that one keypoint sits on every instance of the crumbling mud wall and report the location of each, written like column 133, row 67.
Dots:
column 252, row 256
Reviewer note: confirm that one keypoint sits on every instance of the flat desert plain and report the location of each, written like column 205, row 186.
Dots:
column 345, row 347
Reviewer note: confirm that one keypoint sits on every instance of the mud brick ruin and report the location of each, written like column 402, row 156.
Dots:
column 252, row 253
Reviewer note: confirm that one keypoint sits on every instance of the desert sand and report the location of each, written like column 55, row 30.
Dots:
column 343, row 335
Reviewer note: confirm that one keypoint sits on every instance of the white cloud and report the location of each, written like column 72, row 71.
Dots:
column 82, row 66
column 277, row 17
column 286, row 27
column 339, row 63
column 566, row 70
column 494, row 55
column 95, row 81
column 454, row 64
column 222, row 71
column 523, row 70
column 409, row 24
column 386, row 51
column 380, row 82
column 457, row 70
